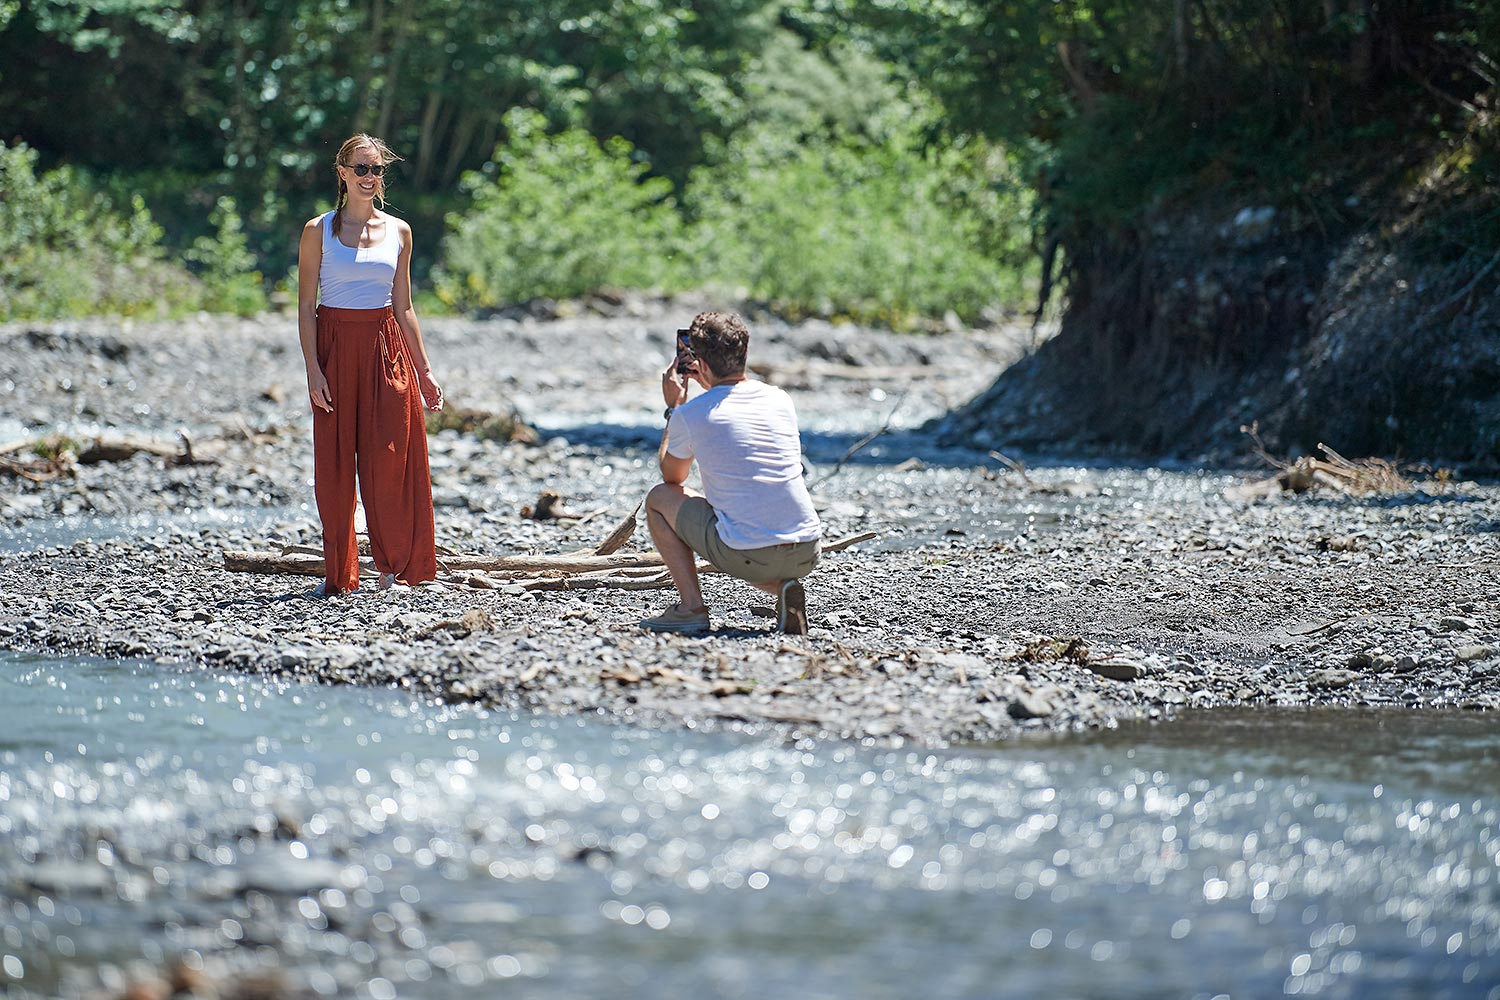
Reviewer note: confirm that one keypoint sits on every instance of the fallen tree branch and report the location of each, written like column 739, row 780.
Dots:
column 619, row 536
column 302, row 562
column 1333, row 471
column 1461, row 294
column 36, row 472
column 849, row 540
column 597, row 583
column 862, row 373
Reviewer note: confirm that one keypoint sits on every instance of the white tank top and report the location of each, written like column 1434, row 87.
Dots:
column 357, row 277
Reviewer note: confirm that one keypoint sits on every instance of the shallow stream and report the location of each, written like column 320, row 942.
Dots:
column 365, row 844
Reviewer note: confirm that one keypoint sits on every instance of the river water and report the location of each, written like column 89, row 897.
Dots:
column 355, row 842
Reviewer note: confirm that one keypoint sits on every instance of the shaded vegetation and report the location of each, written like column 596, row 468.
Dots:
column 68, row 248
column 884, row 159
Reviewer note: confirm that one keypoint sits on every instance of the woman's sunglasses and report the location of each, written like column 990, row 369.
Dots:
column 361, row 169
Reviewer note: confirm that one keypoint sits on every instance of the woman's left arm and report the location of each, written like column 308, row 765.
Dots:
column 406, row 318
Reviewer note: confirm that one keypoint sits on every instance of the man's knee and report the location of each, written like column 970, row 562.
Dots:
column 665, row 497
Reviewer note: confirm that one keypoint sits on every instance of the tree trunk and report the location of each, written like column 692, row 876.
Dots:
column 367, row 68
column 463, row 134
column 429, row 129
column 393, row 73
column 1362, row 48
column 1180, row 37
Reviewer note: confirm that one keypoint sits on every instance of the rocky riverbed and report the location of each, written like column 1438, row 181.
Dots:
column 996, row 599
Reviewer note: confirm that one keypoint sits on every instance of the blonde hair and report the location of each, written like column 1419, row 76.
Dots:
column 352, row 143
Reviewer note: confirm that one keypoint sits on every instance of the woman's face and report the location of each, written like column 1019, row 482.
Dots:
column 370, row 184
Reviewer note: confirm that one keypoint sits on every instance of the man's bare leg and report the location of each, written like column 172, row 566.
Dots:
column 662, row 505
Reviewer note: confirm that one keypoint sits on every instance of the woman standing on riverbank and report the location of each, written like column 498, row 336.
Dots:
column 367, row 377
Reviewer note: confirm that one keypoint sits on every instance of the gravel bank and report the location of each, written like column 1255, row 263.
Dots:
column 993, row 602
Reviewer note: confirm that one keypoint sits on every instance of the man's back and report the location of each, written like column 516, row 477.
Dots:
column 745, row 439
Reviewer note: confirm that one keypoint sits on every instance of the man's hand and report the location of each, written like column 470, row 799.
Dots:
column 318, row 391
column 674, row 388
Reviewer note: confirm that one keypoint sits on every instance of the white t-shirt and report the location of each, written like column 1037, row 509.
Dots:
column 744, row 436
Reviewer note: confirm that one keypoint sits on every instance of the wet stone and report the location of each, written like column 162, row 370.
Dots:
column 289, row 876
column 1118, row 669
column 68, row 877
column 1029, row 705
column 1332, row 678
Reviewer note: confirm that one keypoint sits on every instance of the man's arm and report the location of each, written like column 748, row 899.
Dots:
column 674, row 393
column 674, row 470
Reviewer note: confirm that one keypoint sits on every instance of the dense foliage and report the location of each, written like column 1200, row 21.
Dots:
column 1117, row 103
column 881, row 158
column 68, row 249
column 558, row 215
column 886, row 233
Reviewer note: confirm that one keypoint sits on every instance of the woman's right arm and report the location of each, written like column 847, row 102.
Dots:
column 309, row 263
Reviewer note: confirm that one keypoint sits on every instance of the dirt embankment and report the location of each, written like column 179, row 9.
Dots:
column 1360, row 328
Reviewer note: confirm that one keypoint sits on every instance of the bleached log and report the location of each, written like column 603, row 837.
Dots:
column 304, row 563
column 246, row 561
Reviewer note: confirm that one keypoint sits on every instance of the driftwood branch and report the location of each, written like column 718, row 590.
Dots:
column 36, row 472
column 850, row 540
column 1333, row 472
column 782, row 373
column 303, row 564
column 634, row 571
column 619, row 536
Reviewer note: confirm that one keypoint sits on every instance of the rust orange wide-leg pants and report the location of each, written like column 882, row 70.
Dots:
column 377, row 430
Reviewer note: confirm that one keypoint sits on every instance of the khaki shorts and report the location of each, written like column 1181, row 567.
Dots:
column 698, row 525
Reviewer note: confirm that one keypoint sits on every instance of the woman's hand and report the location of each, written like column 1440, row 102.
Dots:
column 318, row 391
column 432, row 393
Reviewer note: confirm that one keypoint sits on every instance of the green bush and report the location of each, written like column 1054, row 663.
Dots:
column 883, row 233
column 225, row 265
column 68, row 249
column 875, row 231
column 561, row 214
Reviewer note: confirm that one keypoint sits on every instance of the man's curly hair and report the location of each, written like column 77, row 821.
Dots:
column 720, row 340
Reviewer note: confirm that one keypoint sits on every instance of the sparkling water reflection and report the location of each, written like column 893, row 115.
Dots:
column 370, row 846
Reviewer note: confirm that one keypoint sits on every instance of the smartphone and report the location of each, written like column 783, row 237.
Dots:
column 684, row 352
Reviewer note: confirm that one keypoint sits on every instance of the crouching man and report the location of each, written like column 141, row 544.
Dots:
column 754, row 520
